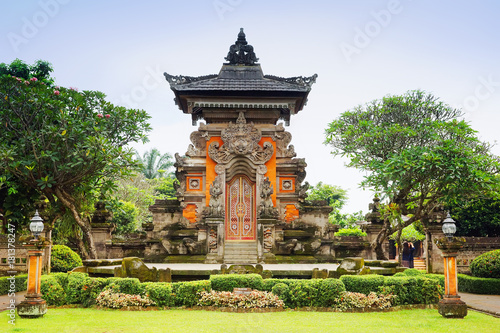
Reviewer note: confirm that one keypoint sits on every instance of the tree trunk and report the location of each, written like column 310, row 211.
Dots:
column 377, row 245
column 84, row 224
column 400, row 248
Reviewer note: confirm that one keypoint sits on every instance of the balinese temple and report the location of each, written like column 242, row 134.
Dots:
column 241, row 191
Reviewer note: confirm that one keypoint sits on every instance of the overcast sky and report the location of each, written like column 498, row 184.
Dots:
column 361, row 51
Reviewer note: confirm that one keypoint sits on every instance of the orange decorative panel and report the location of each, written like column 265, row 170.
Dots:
column 287, row 184
column 190, row 213
column 291, row 213
column 194, row 183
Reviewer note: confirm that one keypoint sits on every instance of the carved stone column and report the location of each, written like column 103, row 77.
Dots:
column 215, row 240
column 267, row 239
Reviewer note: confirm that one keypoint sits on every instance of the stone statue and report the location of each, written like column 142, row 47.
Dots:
column 266, row 207
column 215, row 207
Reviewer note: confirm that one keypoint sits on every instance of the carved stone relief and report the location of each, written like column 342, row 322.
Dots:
column 283, row 140
column 241, row 139
column 199, row 140
column 266, row 207
column 216, row 205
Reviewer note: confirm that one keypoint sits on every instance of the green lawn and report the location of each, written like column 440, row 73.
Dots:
column 91, row 320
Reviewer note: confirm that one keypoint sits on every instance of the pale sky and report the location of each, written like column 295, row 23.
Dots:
column 361, row 50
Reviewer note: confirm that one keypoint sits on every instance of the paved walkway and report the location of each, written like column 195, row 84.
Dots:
column 489, row 304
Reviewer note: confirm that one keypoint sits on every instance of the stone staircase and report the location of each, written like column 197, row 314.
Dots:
column 240, row 252
column 419, row 264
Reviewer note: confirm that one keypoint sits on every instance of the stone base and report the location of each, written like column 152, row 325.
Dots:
column 452, row 308
column 32, row 308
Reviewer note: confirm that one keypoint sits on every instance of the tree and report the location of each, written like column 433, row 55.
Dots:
column 336, row 197
column 415, row 153
column 154, row 164
column 65, row 144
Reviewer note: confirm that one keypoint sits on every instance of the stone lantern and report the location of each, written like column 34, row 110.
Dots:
column 451, row 306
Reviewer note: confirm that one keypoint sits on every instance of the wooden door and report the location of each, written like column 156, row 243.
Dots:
column 240, row 209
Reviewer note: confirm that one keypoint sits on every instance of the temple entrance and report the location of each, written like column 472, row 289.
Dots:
column 240, row 221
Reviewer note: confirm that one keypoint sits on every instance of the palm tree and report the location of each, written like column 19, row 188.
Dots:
column 154, row 164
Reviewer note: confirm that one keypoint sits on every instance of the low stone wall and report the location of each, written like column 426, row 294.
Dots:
column 13, row 257
column 473, row 247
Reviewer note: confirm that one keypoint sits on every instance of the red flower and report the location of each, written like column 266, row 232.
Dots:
column 34, row 79
column 107, row 116
column 56, row 92
column 99, row 115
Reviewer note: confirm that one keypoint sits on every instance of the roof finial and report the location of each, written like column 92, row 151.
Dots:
column 240, row 53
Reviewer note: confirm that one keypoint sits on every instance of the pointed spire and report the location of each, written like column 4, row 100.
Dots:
column 241, row 53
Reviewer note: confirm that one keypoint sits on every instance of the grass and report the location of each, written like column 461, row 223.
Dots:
column 76, row 320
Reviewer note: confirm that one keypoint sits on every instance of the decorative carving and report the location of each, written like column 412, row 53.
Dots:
column 302, row 191
column 182, row 79
column 215, row 207
column 241, row 52
column 212, row 240
column 220, row 169
column 286, row 184
column 241, row 139
column 268, row 239
column 266, row 207
column 262, row 169
column 194, row 184
column 180, row 174
column 283, row 139
column 298, row 80
column 199, row 140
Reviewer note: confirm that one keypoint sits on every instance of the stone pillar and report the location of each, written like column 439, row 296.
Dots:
column 101, row 229
column 451, row 306
column 215, row 240
column 372, row 230
column 33, row 305
column 433, row 259
column 267, row 239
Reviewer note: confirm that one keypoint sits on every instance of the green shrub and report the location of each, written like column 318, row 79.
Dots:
column 74, row 289
column 130, row 286
column 188, row 293
column 159, row 292
column 486, row 265
column 364, row 284
column 52, row 292
column 64, row 259
column 437, row 277
column 270, row 283
column 304, row 293
column 62, row 278
column 255, row 299
column 329, row 292
column 352, row 300
column 350, row 232
column 19, row 284
column 228, row 282
column 108, row 298
column 282, row 291
column 91, row 288
column 476, row 285
column 412, row 290
column 413, row 272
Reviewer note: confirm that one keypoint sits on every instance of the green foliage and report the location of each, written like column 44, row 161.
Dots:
column 18, row 285
column 477, row 285
column 270, row 283
column 160, row 292
column 353, row 300
column 282, row 291
column 154, row 164
column 74, row 289
column 364, row 284
column 131, row 286
column 124, row 216
column 188, row 293
column 52, row 292
column 477, row 217
column 486, row 265
column 67, row 145
column 18, row 68
column 414, row 152
column 409, row 234
column 91, row 288
column 62, row 278
column 329, row 291
column 350, row 232
column 227, row 282
column 114, row 300
column 64, row 259
column 305, row 293
column 412, row 289
column 254, row 300
column 165, row 187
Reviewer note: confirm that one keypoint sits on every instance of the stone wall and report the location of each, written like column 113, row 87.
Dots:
column 19, row 254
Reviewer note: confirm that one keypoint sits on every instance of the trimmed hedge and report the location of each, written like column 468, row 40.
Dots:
column 130, row 286
column 188, row 293
column 74, row 289
column 228, row 282
column 19, row 283
column 364, row 284
column 476, row 285
column 52, row 292
column 282, row 291
column 315, row 292
column 62, row 278
column 91, row 288
column 160, row 292
column 486, row 265
column 412, row 290
column 63, row 259
column 270, row 283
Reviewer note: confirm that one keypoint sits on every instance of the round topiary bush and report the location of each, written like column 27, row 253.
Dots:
column 281, row 290
column 64, row 259
column 486, row 265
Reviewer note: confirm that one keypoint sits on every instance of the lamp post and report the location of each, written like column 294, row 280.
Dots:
column 451, row 306
column 33, row 305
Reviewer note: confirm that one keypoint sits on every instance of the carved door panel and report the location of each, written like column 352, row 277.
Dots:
column 240, row 209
